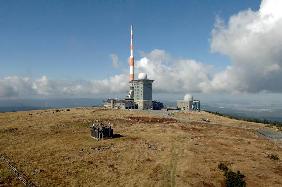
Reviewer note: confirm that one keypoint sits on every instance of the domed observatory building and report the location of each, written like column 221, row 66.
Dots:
column 143, row 92
column 186, row 103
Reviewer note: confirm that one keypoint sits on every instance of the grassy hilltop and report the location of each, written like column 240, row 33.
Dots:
column 54, row 147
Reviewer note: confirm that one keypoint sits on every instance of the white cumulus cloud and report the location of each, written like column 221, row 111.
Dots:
column 253, row 42
column 173, row 75
column 26, row 87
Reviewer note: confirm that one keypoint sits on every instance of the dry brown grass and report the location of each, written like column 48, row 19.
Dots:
column 54, row 148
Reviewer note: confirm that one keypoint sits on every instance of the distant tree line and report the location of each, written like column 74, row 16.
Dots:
column 256, row 120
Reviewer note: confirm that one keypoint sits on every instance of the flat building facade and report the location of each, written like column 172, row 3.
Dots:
column 184, row 105
column 120, row 103
column 189, row 105
column 143, row 93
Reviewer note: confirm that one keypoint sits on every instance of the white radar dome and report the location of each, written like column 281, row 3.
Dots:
column 142, row 76
column 188, row 97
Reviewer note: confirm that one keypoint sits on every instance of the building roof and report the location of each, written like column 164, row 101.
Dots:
column 142, row 80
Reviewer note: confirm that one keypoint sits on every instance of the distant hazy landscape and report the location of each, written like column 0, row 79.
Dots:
column 34, row 104
column 270, row 111
column 259, row 112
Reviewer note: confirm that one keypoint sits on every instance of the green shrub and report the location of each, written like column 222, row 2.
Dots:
column 232, row 179
column 273, row 157
column 222, row 167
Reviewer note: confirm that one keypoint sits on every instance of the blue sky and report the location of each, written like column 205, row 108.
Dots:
column 73, row 39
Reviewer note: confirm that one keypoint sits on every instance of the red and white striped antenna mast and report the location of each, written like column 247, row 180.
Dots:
column 131, row 58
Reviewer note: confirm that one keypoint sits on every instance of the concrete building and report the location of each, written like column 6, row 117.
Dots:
column 188, row 103
column 196, row 105
column 143, row 92
column 184, row 105
column 120, row 104
column 139, row 96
